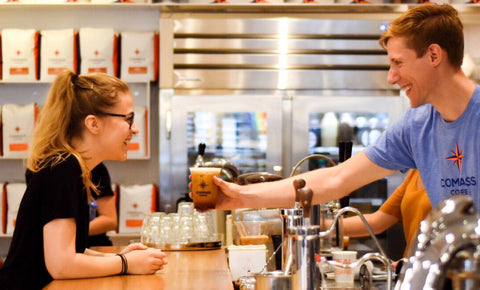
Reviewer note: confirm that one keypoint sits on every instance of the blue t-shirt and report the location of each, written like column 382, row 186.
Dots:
column 446, row 153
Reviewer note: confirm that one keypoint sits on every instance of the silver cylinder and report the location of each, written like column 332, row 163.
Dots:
column 305, row 243
column 273, row 280
column 291, row 217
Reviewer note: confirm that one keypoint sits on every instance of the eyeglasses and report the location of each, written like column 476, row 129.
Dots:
column 128, row 117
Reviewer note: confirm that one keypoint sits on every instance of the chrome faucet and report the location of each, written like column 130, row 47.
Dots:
column 299, row 163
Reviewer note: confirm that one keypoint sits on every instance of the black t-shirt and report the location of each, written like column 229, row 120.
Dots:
column 52, row 193
column 101, row 179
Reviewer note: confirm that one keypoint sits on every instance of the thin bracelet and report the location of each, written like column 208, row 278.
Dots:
column 124, row 264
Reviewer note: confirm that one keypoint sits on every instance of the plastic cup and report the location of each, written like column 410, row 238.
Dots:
column 204, row 191
column 344, row 276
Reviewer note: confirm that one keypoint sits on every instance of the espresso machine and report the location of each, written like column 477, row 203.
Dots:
column 446, row 254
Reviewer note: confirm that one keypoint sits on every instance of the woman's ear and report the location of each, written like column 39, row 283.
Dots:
column 93, row 124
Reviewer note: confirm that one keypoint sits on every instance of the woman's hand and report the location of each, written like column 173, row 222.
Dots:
column 146, row 261
column 133, row 247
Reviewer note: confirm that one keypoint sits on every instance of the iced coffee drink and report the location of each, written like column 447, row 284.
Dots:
column 204, row 191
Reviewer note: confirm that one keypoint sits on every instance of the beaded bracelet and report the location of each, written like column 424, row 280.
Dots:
column 124, row 264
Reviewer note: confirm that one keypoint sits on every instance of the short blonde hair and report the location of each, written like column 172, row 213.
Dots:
column 427, row 24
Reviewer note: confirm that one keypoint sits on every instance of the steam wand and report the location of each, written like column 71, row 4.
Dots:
column 299, row 163
column 357, row 212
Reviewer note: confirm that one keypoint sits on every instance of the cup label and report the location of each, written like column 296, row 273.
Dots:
column 344, row 275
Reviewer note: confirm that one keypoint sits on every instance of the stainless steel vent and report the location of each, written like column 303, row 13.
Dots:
column 278, row 53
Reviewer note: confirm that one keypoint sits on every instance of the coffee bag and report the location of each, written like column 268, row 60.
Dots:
column 58, row 53
column 138, row 147
column 3, row 208
column 135, row 201
column 20, row 54
column 15, row 193
column 139, row 56
column 18, row 125
column 98, row 50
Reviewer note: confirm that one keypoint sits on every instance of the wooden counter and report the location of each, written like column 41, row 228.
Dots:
column 185, row 270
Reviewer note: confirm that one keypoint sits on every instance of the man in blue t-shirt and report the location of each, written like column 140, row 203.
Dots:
column 439, row 135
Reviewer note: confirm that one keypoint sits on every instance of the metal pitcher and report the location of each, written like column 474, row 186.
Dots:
column 304, row 241
column 291, row 217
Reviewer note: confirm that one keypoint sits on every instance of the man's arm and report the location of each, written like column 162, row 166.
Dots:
column 327, row 184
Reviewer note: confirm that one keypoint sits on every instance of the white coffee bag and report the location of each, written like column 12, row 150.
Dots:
column 19, row 54
column 18, row 124
column 138, row 147
column 15, row 193
column 102, row 1
column 98, row 50
column 139, row 56
column 1, row 133
column 58, row 53
column 135, row 201
column 3, row 208
column 52, row 1
column 19, row 1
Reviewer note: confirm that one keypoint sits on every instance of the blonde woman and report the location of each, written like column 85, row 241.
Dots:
column 86, row 119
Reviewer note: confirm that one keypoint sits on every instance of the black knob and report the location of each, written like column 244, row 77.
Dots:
column 201, row 149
